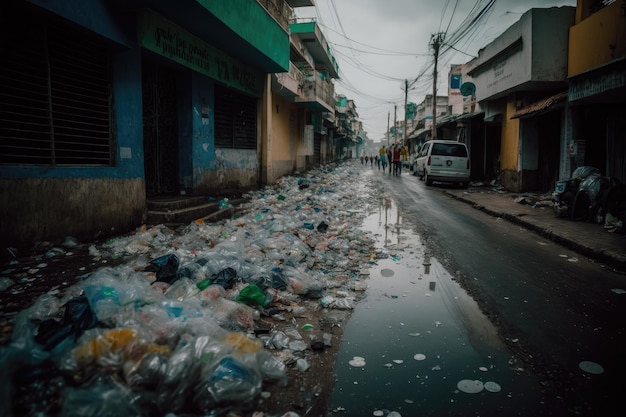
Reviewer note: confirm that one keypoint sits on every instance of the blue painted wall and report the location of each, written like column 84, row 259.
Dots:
column 203, row 150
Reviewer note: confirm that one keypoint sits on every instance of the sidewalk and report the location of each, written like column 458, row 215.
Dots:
column 588, row 239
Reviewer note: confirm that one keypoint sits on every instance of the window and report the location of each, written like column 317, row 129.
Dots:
column 449, row 150
column 55, row 101
column 235, row 119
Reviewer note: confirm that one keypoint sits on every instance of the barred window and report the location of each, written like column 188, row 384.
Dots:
column 235, row 119
column 55, row 100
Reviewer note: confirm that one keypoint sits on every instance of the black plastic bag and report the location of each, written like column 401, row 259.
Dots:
column 322, row 227
column 279, row 280
column 165, row 268
column 225, row 278
column 77, row 318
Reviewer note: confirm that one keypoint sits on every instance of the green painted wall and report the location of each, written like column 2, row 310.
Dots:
column 252, row 22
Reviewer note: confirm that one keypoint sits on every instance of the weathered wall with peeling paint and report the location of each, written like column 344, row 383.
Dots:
column 37, row 209
column 232, row 171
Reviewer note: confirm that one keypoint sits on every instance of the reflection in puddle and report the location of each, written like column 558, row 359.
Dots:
column 422, row 338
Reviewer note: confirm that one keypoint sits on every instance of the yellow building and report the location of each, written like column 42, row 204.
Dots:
column 597, row 88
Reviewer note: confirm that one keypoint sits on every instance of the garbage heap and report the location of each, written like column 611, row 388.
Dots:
column 187, row 324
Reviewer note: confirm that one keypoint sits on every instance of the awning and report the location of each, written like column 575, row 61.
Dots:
column 471, row 115
column 540, row 106
column 494, row 118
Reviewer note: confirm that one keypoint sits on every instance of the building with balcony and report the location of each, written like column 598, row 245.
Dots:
column 108, row 103
column 301, row 107
column 347, row 128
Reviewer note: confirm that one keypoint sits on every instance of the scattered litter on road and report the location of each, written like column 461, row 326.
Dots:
column 208, row 308
column 470, row 386
column 492, row 386
column 591, row 367
column 419, row 357
column 357, row 362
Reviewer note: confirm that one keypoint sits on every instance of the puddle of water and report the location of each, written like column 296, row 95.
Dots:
column 418, row 336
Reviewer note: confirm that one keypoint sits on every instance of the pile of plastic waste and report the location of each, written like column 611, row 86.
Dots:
column 176, row 328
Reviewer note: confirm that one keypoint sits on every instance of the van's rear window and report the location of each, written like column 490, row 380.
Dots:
column 449, row 149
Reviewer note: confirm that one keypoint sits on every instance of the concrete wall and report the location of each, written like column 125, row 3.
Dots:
column 532, row 49
column 529, row 153
column 598, row 39
column 550, row 35
column 46, row 202
column 284, row 134
column 231, row 172
column 38, row 209
column 509, row 152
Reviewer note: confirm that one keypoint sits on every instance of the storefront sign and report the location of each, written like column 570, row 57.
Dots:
column 596, row 84
column 167, row 39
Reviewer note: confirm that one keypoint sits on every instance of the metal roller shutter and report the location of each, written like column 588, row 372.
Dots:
column 235, row 119
column 55, row 101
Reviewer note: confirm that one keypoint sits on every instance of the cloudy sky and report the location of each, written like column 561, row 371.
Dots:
column 379, row 44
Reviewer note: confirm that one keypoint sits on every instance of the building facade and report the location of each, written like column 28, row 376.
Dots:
column 302, row 106
column 597, row 89
column 106, row 103
column 525, row 64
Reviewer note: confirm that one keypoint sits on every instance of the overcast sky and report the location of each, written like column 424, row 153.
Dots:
column 379, row 44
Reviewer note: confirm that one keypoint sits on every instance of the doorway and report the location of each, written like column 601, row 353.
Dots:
column 160, row 129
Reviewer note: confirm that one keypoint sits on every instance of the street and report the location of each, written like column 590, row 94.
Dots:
column 552, row 307
column 431, row 307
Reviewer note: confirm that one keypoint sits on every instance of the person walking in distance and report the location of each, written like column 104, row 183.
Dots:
column 390, row 158
column 382, row 155
column 396, row 160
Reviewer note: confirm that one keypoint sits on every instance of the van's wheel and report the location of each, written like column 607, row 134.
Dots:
column 428, row 180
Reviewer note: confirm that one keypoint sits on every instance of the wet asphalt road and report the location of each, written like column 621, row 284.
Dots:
column 552, row 307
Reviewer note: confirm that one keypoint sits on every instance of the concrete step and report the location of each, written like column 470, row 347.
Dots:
column 179, row 211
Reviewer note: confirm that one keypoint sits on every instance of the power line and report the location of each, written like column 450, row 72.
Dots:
column 373, row 47
column 388, row 53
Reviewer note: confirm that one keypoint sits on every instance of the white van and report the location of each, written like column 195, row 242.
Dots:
column 443, row 161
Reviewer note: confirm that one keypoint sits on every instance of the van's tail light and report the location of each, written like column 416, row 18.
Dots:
column 428, row 162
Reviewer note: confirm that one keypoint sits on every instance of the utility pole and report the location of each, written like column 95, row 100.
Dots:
column 387, row 129
column 436, row 41
column 406, row 93
column 395, row 129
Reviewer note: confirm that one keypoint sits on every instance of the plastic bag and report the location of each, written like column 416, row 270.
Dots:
column 225, row 278
column 230, row 381
column 77, row 318
column 272, row 369
column 106, row 348
column 104, row 400
column 165, row 267
column 252, row 295
column 181, row 374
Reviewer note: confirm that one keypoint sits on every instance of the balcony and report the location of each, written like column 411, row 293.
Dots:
column 311, row 36
column 279, row 10
column 288, row 84
column 317, row 95
column 301, row 3
column 246, row 31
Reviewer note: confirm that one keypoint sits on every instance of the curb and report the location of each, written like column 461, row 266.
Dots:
column 613, row 260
